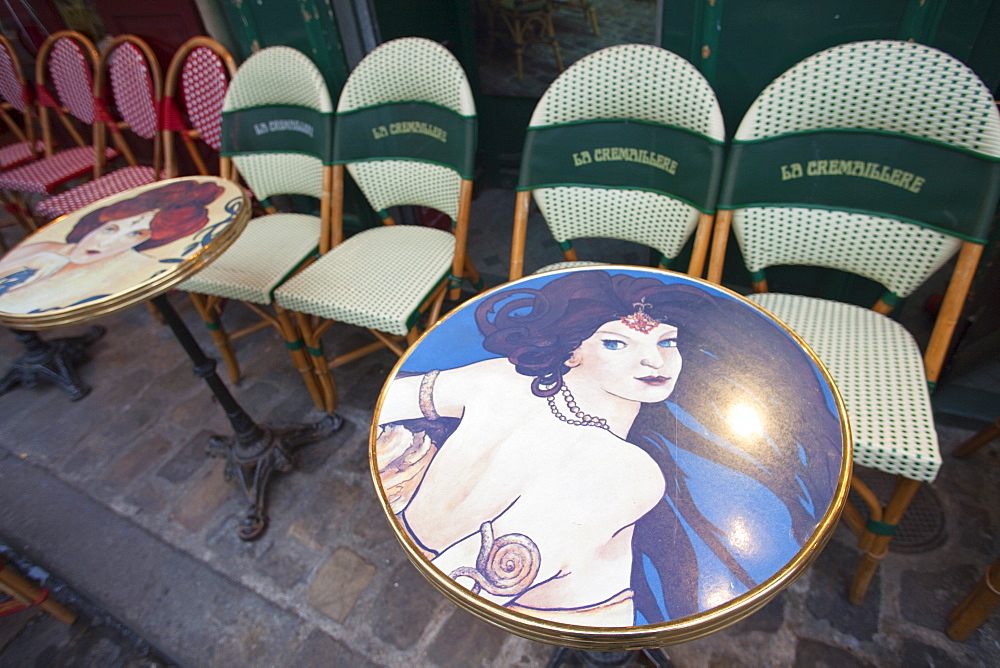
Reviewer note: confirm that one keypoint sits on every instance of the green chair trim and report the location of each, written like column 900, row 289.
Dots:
column 297, row 344
column 565, row 246
column 418, row 131
column 931, row 184
column 277, row 128
column 881, row 528
column 626, row 155
column 212, row 326
column 315, row 352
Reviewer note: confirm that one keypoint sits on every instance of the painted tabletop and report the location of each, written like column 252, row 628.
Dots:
column 610, row 457
column 119, row 251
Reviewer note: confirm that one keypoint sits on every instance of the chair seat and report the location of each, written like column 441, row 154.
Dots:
column 45, row 174
column 91, row 191
column 556, row 266
column 879, row 370
column 17, row 154
column 376, row 279
column 268, row 251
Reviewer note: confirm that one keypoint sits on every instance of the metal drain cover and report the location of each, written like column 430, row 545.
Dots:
column 923, row 525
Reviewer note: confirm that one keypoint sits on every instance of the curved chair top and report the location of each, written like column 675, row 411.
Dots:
column 136, row 83
column 278, row 75
column 197, row 80
column 68, row 60
column 12, row 82
column 408, row 69
column 637, row 82
column 881, row 85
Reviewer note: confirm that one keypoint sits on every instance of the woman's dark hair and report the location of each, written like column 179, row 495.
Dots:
column 538, row 329
column 181, row 209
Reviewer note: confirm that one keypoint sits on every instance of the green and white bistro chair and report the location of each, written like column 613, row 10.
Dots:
column 277, row 120
column 626, row 144
column 406, row 133
column 882, row 159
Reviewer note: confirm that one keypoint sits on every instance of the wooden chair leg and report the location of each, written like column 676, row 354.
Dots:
column 978, row 440
column 295, row 345
column 27, row 594
column 876, row 543
column 980, row 602
column 320, row 365
column 210, row 316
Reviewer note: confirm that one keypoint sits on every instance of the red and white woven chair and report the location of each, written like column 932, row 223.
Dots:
column 16, row 95
column 128, row 84
column 64, row 76
column 193, row 93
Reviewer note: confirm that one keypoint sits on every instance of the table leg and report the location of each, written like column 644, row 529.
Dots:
column 53, row 361
column 255, row 451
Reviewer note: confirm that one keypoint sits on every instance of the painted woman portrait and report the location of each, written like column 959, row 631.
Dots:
column 106, row 250
column 627, row 448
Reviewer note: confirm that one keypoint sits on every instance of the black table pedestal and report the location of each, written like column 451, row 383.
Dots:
column 590, row 659
column 255, row 451
column 51, row 361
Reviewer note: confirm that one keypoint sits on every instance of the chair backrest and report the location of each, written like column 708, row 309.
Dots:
column 627, row 144
column 880, row 158
column 406, row 129
column 128, row 90
column 64, row 81
column 194, row 90
column 277, row 121
column 16, row 94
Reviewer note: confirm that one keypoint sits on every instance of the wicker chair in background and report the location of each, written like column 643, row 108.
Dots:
column 128, row 89
column 878, row 158
column 276, row 125
column 602, row 153
column 64, row 81
column 406, row 133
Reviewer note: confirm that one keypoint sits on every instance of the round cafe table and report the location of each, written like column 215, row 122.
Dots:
column 610, row 458
column 126, row 249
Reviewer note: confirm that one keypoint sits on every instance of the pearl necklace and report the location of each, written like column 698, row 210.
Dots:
column 582, row 419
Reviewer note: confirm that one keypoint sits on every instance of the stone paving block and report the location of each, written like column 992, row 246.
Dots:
column 83, row 462
column 148, row 499
column 338, row 584
column 197, row 412
column 920, row 654
column 373, row 526
column 465, row 636
column 285, row 564
column 188, row 459
column 136, row 461
column 404, row 607
column 827, row 598
column 814, row 654
column 322, row 513
column 200, row 502
column 320, row 649
column 926, row 598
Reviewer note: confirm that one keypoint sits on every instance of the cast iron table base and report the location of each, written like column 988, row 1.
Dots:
column 590, row 659
column 51, row 361
column 255, row 451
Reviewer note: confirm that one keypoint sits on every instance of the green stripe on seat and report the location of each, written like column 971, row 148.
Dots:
column 881, row 528
column 407, row 130
column 624, row 154
column 931, row 184
column 277, row 129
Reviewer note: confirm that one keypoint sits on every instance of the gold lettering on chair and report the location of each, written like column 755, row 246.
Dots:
column 626, row 154
column 887, row 174
column 417, row 127
column 791, row 171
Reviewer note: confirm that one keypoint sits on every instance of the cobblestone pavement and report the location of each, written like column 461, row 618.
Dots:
column 115, row 497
